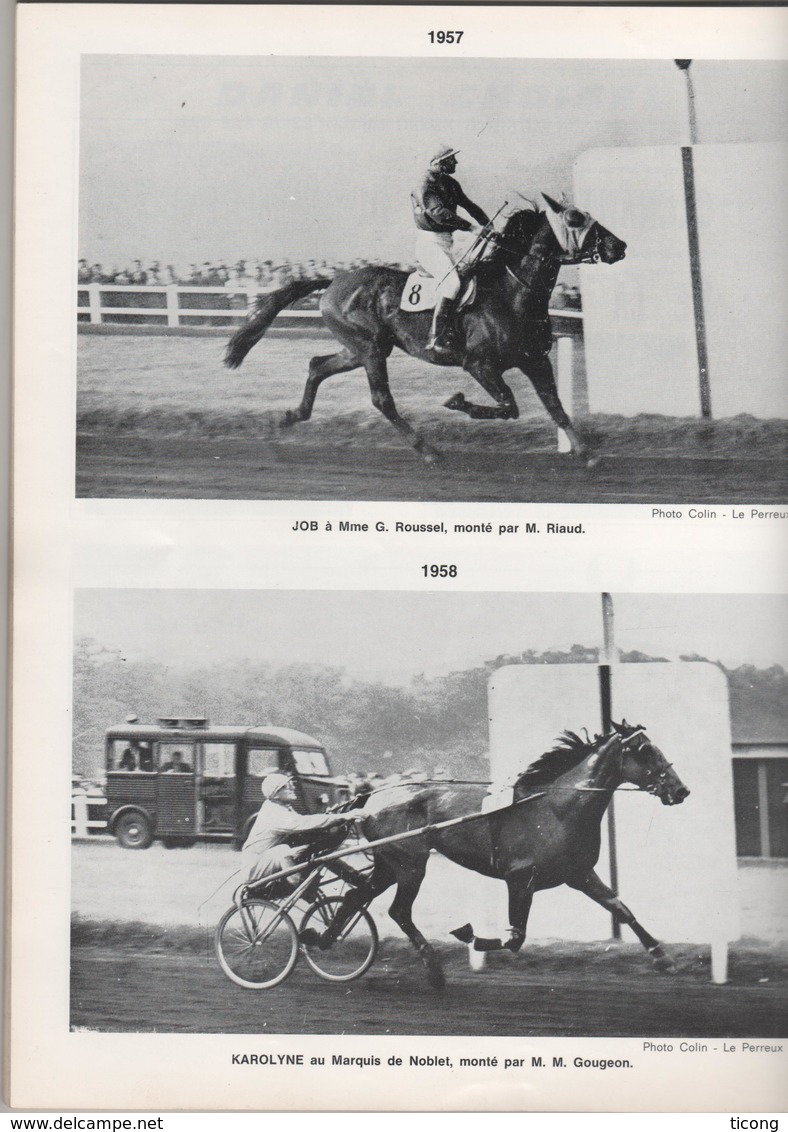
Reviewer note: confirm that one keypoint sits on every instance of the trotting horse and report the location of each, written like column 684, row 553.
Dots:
column 548, row 836
column 506, row 327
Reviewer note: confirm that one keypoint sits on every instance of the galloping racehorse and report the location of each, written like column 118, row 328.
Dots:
column 550, row 835
column 506, row 326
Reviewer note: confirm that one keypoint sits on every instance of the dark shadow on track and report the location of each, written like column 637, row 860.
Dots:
column 161, row 467
column 122, row 991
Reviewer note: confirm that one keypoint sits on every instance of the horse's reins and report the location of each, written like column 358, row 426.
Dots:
column 486, row 236
column 463, row 819
column 589, row 255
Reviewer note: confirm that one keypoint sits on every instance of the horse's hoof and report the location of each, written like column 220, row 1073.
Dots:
column 463, row 934
column 428, row 454
column 456, row 402
column 288, row 419
column 435, row 975
column 665, row 965
column 663, row 962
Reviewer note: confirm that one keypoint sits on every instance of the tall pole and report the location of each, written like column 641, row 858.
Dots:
column 684, row 66
column 690, row 202
column 610, row 656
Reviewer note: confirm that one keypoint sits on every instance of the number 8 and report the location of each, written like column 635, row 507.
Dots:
column 415, row 294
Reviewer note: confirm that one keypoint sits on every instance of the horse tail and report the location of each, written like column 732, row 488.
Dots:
column 267, row 307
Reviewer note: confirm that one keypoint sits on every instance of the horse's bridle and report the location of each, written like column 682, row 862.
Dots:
column 656, row 778
column 590, row 253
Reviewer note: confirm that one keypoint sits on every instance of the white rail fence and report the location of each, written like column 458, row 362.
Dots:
column 172, row 305
column 179, row 307
column 82, row 824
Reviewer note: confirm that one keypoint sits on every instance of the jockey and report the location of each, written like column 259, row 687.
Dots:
column 268, row 847
column 435, row 204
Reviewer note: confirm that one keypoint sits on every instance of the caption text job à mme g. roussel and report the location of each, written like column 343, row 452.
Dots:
column 522, row 527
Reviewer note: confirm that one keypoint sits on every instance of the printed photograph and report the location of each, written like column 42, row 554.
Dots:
column 459, row 279
column 430, row 814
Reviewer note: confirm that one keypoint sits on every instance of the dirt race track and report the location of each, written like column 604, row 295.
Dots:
column 185, row 991
column 249, row 469
column 142, row 959
column 161, row 418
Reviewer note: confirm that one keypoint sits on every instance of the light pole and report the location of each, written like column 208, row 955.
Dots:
column 684, row 66
column 690, row 202
column 610, row 656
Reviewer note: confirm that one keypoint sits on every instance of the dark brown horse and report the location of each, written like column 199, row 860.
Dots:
column 506, row 327
column 550, row 835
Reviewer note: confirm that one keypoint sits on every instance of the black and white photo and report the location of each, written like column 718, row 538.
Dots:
column 320, row 732
column 292, row 270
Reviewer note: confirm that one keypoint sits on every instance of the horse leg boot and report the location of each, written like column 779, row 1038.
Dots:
column 597, row 890
column 521, row 891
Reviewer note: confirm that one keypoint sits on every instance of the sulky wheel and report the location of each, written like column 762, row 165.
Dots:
column 351, row 954
column 256, row 944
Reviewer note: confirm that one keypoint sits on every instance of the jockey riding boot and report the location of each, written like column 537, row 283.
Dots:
column 439, row 341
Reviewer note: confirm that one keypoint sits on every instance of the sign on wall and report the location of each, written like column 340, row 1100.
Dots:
column 676, row 865
column 639, row 319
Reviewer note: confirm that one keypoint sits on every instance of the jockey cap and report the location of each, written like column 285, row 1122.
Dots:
column 273, row 784
column 443, row 153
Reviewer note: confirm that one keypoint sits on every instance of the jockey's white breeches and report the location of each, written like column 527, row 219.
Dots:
column 436, row 254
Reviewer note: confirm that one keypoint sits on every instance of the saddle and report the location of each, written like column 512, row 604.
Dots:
column 419, row 293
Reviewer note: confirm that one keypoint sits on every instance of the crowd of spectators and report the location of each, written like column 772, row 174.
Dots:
column 255, row 274
column 258, row 275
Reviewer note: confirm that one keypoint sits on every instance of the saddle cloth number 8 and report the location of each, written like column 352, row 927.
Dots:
column 419, row 293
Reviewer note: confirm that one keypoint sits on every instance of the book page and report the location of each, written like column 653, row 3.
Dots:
column 417, row 437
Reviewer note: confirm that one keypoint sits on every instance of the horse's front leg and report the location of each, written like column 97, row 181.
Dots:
column 491, row 380
column 598, row 891
column 520, row 885
column 539, row 370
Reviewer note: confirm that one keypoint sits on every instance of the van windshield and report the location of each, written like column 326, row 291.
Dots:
column 311, row 762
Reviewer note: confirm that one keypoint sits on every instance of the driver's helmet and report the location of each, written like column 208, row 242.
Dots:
column 271, row 785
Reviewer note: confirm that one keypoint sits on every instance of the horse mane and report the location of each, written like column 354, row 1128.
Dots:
column 569, row 750
column 517, row 235
column 522, row 225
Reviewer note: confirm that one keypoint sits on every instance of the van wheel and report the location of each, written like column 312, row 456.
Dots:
column 133, row 831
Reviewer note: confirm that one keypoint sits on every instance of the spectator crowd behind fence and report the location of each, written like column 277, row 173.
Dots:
column 258, row 275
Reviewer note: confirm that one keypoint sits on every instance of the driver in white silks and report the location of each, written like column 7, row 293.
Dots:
column 280, row 835
column 435, row 203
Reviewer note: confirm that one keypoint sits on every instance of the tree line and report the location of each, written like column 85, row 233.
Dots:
column 365, row 725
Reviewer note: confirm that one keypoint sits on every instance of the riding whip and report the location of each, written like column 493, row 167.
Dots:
column 481, row 236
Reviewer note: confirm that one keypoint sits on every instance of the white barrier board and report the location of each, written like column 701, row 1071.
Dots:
column 676, row 865
column 641, row 352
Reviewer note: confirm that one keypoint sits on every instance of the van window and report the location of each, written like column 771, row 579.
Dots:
column 310, row 762
column 176, row 758
column 130, row 756
column 218, row 760
column 262, row 760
